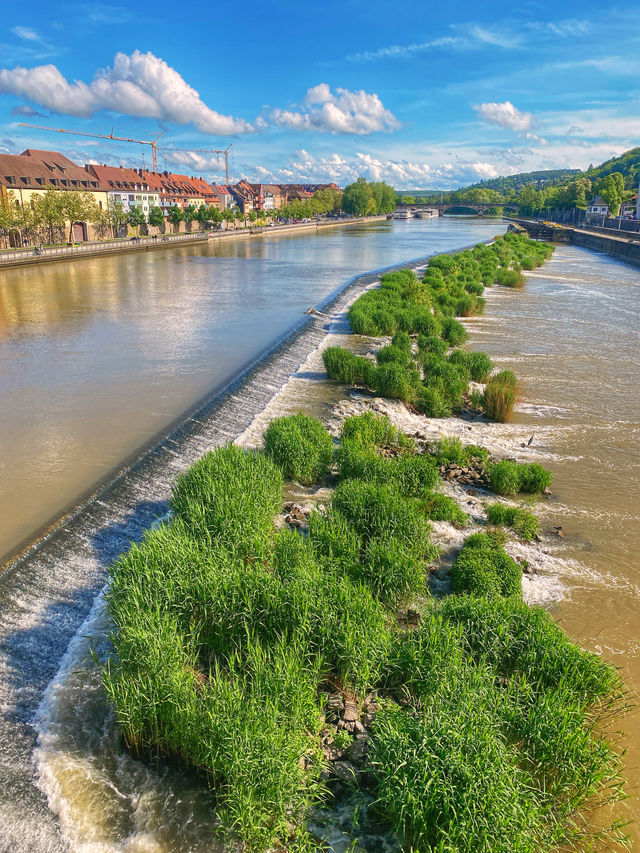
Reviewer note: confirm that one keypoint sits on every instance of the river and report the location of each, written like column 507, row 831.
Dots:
column 189, row 319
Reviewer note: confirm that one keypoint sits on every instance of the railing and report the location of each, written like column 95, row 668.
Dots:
column 31, row 253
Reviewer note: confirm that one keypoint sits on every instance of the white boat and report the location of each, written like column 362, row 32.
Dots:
column 403, row 214
column 428, row 213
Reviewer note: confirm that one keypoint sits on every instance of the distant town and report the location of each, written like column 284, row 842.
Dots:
column 47, row 199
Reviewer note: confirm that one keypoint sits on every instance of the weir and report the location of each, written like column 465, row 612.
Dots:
column 48, row 592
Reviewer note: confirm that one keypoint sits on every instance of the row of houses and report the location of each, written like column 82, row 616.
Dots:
column 36, row 171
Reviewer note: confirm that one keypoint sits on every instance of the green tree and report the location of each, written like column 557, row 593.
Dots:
column 118, row 217
column 190, row 213
column 384, row 195
column 156, row 216
column 355, row 198
column 78, row 207
column 49, row 211
column 175, row 215
column 136, row 217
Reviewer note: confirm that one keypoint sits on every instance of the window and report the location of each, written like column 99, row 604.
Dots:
column 131, row 198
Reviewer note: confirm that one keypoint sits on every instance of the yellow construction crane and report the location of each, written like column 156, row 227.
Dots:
column 153, row 143
column 224, row 151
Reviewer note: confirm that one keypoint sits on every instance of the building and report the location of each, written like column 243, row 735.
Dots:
column 224, row 196
column 26, row 176
column 268, row 196
column 597, row 211
column 179, row 190
column 244, row 196
column 126, row 187
column 206, row 191
column 34, row 172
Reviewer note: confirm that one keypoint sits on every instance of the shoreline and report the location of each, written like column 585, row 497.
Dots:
column 53, row 254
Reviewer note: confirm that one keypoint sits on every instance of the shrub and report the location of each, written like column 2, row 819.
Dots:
column 500, row 396
column 510, row 278
column 402, row 341
column 392, row 570
column 432, row 403
column 300, row 446
column 474, row 451
column 524, row 523
column 454, row 332
column 229, row 498
column 438, row 507
column 394, row 381
column 380, row 512
column 450, row 449
column 479, row 366
column 410, row 474
column 345, row 366
column 509, row 478
column 389, row 354
column 371, row 429
column 432, row 344
column 483, row 568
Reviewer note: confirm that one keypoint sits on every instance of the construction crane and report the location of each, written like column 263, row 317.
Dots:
column 224, row 151
column 153, row 143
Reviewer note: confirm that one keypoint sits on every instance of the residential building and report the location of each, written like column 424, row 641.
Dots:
column 597, row 210
column 126, row 187
column 268, row 196
column 244, row 196
column 224, row 196
column 34, row 172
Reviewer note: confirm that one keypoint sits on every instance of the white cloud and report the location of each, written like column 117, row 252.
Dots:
column 344, row 111
column 567, row 28
column 25, row 33
column 505, row 115
column 496, row 38
column 405, row 51
column 139, row 84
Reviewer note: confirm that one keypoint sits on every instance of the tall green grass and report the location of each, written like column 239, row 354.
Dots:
column 300, row 446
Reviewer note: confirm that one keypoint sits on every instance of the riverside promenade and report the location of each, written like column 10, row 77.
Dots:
column 31, row 255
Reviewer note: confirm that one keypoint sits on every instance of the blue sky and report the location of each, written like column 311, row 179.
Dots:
column 421, row 95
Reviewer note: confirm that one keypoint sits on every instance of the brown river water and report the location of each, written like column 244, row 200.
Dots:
column 98, row 361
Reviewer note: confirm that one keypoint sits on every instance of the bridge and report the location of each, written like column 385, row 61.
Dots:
column 447, row 208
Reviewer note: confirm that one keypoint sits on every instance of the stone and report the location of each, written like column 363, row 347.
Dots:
column 350, row 712
column 345, row 772
column 559, row 531
column 358, row 750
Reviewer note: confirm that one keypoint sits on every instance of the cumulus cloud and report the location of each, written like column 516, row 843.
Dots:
column 344, row 111
column 505, row 115
column 139, row 84
column 304, row 167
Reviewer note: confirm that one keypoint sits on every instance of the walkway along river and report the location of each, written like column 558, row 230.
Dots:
column 571, row 335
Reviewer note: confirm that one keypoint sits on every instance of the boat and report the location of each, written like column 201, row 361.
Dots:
column 403, row 214
column 427, row 213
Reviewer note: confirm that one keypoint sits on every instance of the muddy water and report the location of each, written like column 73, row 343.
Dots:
column 99, row 355
column 573, row 337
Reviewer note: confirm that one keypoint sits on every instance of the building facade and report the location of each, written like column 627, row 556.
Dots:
column 126, row 187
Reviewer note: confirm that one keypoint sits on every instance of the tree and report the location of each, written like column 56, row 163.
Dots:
column 118, row 217
column 175, row 215
column 355, row 198
column 190, row 213
column 228, row 215
column 136, row 217
column 49, row 211
column 78, row 207
column 156, row 216
column 384, row 195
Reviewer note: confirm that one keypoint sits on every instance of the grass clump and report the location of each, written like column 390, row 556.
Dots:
column 300, row 446
column 510, row 278
column 508, row 478
column 524, row 523
column 439, row 507
column 347, row 367
column 500, row 396
column 484, row 568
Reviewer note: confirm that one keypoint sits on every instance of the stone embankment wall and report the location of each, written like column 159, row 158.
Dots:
column 624, row 249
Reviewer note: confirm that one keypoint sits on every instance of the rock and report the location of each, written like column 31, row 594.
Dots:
column 358, row 750
column 547, row 490
column 345, row 772
column 413, row 617
column 559, row 531
column 358, row 727
column 335, row 702
column 350, row 712
column 473, row 493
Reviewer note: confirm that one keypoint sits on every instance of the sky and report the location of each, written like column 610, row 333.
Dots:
column 431, row 95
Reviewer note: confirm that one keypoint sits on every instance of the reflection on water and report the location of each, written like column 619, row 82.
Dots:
column 97, row 356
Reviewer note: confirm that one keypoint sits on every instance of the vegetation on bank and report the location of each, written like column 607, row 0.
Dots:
column 234, row 640
column 417, row 367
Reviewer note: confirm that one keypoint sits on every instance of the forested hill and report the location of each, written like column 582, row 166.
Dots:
column 628, row 164
column 544, row 178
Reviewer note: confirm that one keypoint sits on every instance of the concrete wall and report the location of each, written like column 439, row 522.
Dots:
column 625, row 250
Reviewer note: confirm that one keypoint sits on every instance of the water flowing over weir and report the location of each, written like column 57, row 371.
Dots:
column 47, row 595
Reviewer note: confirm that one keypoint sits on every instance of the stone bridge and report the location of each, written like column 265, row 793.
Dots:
column 460, row 208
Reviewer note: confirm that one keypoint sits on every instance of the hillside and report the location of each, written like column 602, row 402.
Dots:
column 628, row 164
column 543, row 178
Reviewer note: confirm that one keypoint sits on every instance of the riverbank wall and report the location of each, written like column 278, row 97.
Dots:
column 604, row 240
column 24, row 257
